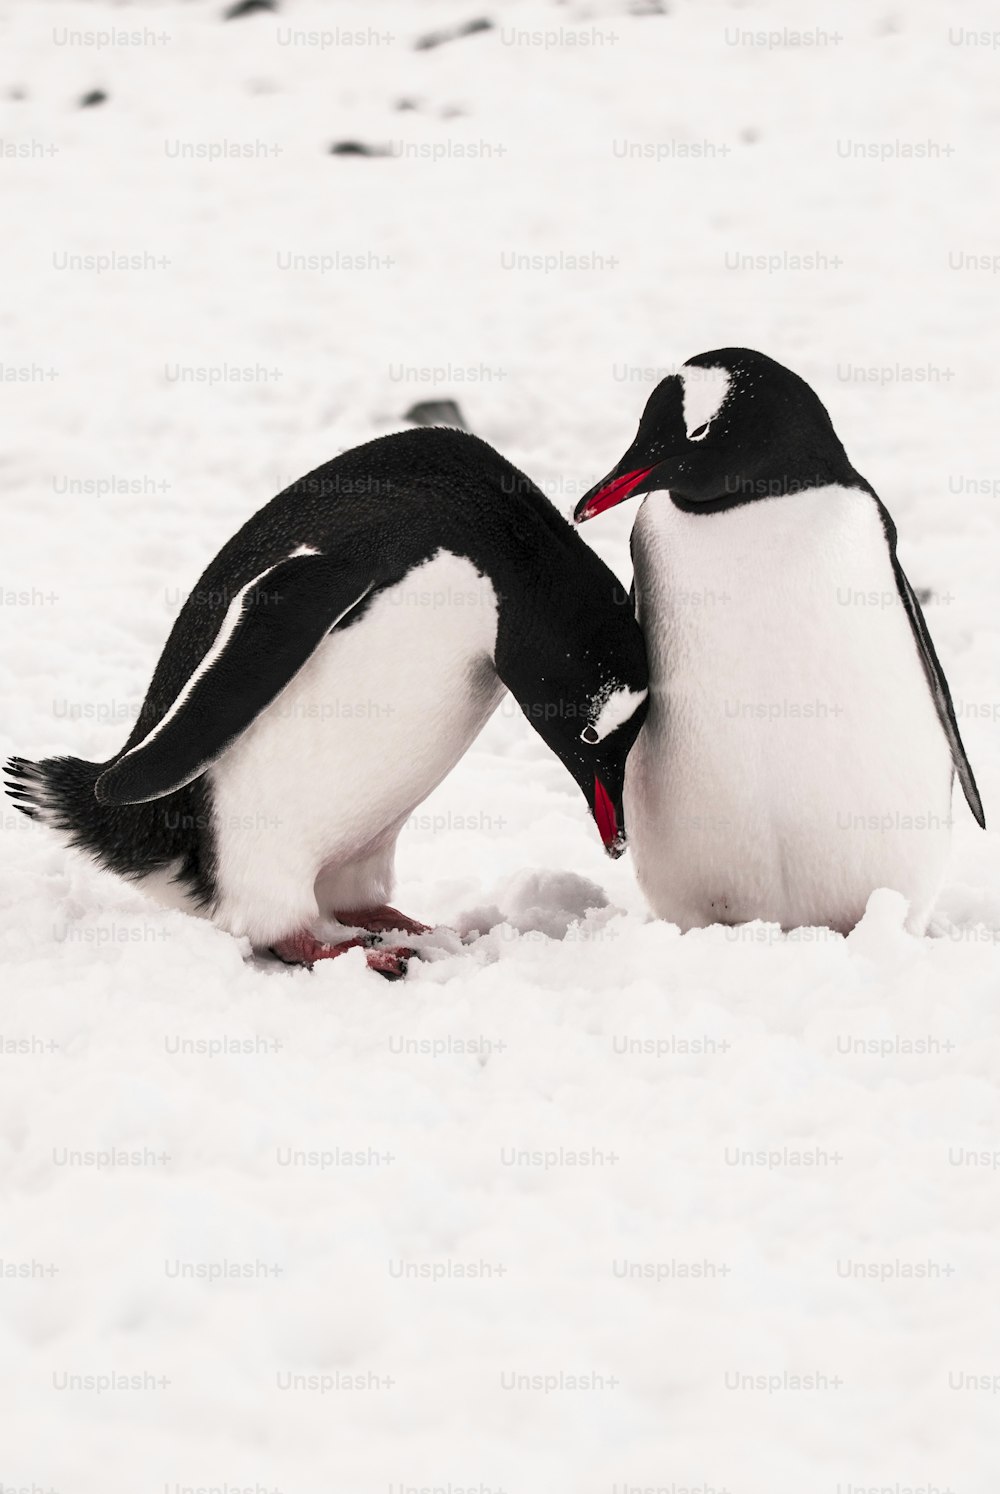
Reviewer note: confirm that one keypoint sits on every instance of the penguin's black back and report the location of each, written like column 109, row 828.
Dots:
column 398, row 499
column 383, row 508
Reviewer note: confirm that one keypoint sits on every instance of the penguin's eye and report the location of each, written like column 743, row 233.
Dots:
column 610, row 708
column 701, row 431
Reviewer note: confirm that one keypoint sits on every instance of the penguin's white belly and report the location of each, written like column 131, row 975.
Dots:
column 792, row 760
column 309, row 801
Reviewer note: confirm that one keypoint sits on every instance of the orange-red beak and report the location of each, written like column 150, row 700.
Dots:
column 607, row 820
column 608, row 494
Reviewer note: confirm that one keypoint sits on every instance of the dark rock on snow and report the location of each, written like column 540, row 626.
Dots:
column 357, row 148
column 451, row 33
column 247, row 8
column 436, row 412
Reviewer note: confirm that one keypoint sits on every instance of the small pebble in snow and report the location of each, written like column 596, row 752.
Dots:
column 95, row 96
column 356, row 148
column 247, row 8
column 436, row 412
column 452, row 33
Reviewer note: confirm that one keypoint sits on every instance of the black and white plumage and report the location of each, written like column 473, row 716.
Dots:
column 801, row 740
column 333, row 663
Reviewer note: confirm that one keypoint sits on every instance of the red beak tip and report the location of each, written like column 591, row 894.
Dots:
column 607, row 820
column 612, row 493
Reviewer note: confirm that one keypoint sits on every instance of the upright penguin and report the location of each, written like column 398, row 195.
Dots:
column 800, row 742
column 334, row 662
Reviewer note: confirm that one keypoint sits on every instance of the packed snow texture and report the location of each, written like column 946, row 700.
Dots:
column 583, row 1204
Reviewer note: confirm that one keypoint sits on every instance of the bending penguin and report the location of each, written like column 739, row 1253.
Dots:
column 800, row 743
column 334, row 662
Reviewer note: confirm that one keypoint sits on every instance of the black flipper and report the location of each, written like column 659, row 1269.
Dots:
column 940, row 693
column 936, row 682
column 267, row 635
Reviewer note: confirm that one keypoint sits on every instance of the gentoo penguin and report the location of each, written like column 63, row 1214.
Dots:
column 800, row 742
column 333, row 663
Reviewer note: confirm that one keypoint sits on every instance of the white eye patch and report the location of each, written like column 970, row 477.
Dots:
column 705, row 390
column 613, row 710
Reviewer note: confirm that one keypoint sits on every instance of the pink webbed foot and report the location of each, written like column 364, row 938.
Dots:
column 381, row 920
column 303, row 948
column 389, row 960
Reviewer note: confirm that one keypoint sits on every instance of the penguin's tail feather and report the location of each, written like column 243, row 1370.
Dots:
column 59, row 792
column 129, row 838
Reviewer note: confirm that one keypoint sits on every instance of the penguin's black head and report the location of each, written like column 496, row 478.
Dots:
column 582, row 682
column 729, row 427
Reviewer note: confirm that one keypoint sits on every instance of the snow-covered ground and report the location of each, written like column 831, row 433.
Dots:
column 536, row 1218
